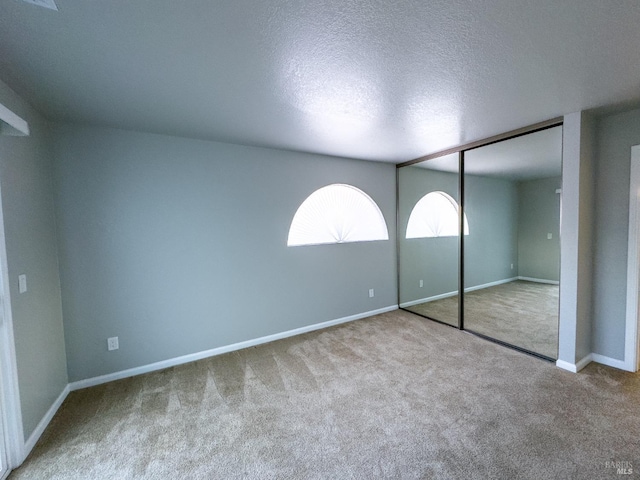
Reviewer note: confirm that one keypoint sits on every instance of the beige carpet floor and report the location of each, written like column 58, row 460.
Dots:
column 524, row 314
column 392, row 396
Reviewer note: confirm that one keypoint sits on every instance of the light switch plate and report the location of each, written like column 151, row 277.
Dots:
column 22, row 283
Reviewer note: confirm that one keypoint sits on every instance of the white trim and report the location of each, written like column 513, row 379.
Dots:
column 172, row 362
column 610, row 362
column 455, row 292
column 44, row 422
column 9, row 388
column 567, row 366
column 592, row 357
column 584, row 362
column 539, row 280
column 28, row 446
column 490, row 284
column 575, row 368
column 12, row 124
column 428, row 299
column 631, row 354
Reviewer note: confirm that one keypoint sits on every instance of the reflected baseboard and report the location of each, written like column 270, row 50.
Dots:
column 455, row 292
column 539, row 280
column 428, row 299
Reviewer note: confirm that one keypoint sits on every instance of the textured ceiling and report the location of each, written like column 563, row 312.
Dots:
column 536, row 155
column 528, row 157
column 367, row 79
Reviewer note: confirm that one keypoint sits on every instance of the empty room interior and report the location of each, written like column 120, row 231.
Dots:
column 294, row 239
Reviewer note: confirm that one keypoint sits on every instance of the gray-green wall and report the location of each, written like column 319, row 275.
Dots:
column 178, row 246
column 29, row 222
column 491, row 205
column 616, row 134
column 539, row 215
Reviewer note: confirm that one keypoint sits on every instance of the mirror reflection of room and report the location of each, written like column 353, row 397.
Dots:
column 512, row 258
column 511, row 245
column 429, row 249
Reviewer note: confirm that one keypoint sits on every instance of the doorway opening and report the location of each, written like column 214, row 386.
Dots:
column 11, row 433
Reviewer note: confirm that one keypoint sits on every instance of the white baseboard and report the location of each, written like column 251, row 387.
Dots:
column 592, row 357
column 455, row 292
column 428, row 299
column 571, row 367
column 172, row 362
column 575, row 367
column 610, row 362
column 44, row 422
column 580, row 364
column 539, row 280
column 490, row 284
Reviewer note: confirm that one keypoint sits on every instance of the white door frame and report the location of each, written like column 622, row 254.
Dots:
column 11, row 433
column 632, row 330
column 5, row 469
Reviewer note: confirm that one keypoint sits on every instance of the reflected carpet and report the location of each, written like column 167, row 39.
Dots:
column 524, row 314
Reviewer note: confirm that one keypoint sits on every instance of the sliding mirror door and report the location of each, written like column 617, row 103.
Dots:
column 428, row 240
column 512, row 254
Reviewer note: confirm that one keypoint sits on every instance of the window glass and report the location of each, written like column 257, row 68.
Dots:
column 337, row 213
column 435, row 215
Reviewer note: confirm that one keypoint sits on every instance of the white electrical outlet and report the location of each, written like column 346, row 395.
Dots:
column 22, row 283
column 421, row 284
column 371, row 293
column 512, row 266
column 549, row 236
column 112, row 343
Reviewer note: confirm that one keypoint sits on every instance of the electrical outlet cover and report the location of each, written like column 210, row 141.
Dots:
column 112, row 343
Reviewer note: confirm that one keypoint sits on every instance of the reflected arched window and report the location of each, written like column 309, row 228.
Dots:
column 435, row 215
column 337, row 213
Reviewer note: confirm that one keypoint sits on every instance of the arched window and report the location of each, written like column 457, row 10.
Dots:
column 435, row 215
column 337, row 213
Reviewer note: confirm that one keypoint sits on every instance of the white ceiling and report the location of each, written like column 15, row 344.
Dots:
column 531, row 156
column 367, row 79
column 536, row 155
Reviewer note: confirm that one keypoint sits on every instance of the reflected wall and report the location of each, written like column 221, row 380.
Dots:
column 429, row 262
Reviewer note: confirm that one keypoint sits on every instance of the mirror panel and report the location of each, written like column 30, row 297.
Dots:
column 511, row 256
column 428, row 245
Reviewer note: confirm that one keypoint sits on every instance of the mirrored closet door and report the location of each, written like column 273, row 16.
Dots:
column 508, row 205
column 428, row 223
column 512, row 256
